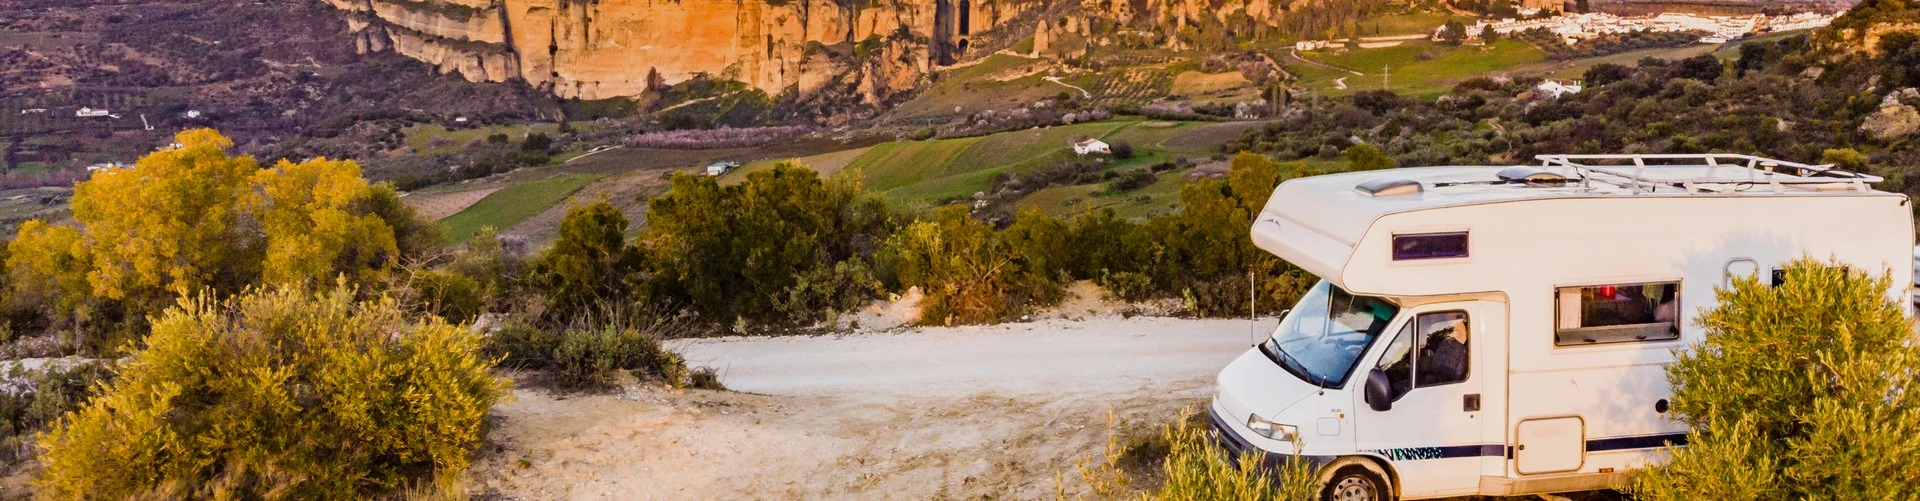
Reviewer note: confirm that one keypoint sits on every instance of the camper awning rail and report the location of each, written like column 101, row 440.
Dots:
column 1698, row 173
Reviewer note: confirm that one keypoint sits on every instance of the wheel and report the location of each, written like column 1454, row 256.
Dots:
column 1354, row 483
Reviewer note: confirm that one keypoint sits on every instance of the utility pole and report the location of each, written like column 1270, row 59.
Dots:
column 1386, row 77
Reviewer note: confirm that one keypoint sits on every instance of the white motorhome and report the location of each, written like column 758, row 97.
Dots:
column 1505, row 330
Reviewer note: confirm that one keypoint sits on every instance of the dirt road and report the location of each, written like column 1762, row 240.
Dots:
column 994, row 411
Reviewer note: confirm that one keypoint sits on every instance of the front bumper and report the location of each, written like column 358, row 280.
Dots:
column 1237, row 447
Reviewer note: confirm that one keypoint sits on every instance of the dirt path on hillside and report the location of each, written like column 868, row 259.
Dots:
column 986, row 411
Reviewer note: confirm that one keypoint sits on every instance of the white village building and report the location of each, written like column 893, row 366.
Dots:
column 1091, row 146
column 91, row 113
column 1556, row 88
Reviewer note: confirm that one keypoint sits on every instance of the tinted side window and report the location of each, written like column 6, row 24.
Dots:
column 1443, row 357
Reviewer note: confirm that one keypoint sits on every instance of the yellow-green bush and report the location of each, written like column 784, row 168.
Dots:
column 278, row 394
column 1800, row 391
column 1196, row 468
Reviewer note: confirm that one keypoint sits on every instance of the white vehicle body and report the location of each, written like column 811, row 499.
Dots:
column 1563, row 384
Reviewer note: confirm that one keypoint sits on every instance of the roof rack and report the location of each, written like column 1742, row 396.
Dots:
column 1704, row 173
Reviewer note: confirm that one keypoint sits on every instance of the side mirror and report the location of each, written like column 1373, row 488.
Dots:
column 1260, row 336
column 1377, row 391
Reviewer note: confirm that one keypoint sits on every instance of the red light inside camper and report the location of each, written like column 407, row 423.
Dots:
column 1429, row 246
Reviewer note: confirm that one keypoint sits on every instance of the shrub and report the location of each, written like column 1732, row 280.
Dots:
column 595, row 357
column 1198, row 469
column 1122, row 150
column 758, row 250
column 1362, row 157
column 1128, row 286
column 1132, row 181
column 1800, row 391
column 278, row 393
column 590, row 267
column 516, row 343
column 971, row 273
column 454, row 297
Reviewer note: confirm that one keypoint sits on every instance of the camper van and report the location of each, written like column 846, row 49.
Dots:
column 1505, row 330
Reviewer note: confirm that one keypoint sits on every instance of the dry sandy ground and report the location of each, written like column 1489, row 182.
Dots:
column 963, row 412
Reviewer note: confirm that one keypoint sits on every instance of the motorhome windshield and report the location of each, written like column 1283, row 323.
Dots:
column 1326, row 333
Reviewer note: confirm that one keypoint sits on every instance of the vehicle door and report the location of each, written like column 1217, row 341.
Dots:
column 1432, row 426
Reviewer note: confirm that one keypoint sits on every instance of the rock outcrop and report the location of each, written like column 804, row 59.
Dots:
column 593, row 49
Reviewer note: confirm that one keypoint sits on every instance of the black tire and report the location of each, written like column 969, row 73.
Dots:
column 1355, row 483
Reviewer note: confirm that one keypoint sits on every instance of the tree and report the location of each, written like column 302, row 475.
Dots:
column 741, row 252
column 278, row 393
column 1364, row 157
column 1799, row 391
column 1704, row 67
column 1488, row 35
column 193, row 219
column 1453, row 32
column 1605, row 73
column 1122, row 150
column 969, row 272
column 590, row 264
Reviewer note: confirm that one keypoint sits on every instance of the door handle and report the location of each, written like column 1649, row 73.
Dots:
column 1470, row 402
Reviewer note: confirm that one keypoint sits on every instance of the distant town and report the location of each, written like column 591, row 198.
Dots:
column 1574, row 28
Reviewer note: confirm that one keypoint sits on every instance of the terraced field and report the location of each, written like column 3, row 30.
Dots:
column 435, row 140
column 1410, row 75
column 511, row 205
column 1128, row 86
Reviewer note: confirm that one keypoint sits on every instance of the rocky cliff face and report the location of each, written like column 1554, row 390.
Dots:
column 592, row 49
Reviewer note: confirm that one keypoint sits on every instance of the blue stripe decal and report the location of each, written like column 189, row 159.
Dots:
column 1640, row 442
column 1445, row 452
column 1464, row 451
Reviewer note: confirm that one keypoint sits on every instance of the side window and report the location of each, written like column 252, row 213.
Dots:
column 1397, row 362
column 1441, row 357
column 1443, row 349
column 1617, row 313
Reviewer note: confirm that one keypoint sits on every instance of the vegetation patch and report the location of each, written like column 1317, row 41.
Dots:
column 1194, row 83
column 513, row 204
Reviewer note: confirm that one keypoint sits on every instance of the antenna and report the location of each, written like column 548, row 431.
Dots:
column 1253, row 324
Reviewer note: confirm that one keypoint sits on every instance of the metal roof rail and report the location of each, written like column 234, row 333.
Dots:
column 1704, row 172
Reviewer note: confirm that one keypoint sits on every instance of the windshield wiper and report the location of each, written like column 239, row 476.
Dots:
column 1287, row 362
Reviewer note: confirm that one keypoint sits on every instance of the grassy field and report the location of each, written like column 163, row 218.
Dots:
column 435, row 140
column 997, row 82
column 1447, row 66
column 507, row 207
column 1407, row 24
column 900, row 163
column 827, row 164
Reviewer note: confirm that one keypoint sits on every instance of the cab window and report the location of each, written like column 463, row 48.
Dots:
column 1431, row 350
column 1443, row 349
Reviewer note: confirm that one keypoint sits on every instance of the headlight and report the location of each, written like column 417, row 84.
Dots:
column 1269, row 429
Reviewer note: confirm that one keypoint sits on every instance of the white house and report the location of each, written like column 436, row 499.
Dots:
column 1555, row 88
column 1091, row 146
column 193, row 113
column 29, row 111
column 91, row 113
